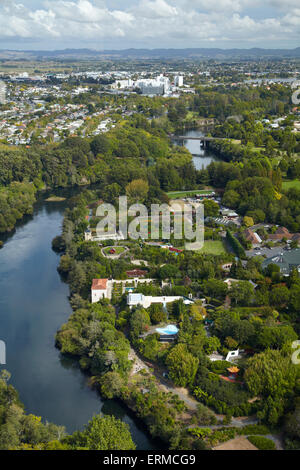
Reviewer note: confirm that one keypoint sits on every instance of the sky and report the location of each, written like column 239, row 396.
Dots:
column 121, row 24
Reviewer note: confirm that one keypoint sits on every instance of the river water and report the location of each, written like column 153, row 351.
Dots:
column 33, row 305
column 201, row 157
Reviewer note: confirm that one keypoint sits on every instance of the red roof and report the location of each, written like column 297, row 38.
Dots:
column 175, row 250
column 99, row 284
column 136, row 273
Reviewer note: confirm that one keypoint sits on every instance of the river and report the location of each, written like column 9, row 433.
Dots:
column 33, row 305
column 201, row 157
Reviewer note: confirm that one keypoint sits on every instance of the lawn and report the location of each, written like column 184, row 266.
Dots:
column 179, row 194
column 118, row 250
column 291, row 184
column 212, row 247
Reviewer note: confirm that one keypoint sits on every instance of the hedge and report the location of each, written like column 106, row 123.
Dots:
column 262, row 443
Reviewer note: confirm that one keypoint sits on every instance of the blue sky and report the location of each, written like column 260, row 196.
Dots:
column 119, row 24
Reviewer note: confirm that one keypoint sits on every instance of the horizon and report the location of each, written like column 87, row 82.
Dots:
column 153, row 49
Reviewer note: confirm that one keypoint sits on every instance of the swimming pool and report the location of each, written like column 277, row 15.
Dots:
column 168, row 330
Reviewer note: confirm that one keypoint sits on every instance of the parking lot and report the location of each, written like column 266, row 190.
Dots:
column 267, row 252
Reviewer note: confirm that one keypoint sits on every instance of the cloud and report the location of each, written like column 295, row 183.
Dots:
column 149, row 23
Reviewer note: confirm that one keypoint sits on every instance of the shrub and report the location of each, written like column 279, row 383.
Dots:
column 254, row 429
column 262, row 443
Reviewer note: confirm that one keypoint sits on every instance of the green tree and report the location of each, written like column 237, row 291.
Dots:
column 182, row 365
column 104, row 433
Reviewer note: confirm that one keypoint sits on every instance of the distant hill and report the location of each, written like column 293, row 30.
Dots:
column 155, row 53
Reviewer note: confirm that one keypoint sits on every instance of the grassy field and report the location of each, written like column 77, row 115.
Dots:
column 291, row 184
column 212, row 247
column 118, row 250
column 179, row 194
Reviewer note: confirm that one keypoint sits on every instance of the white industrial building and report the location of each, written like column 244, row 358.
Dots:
column 2, row 92
column 157, row 86
column 178, row 80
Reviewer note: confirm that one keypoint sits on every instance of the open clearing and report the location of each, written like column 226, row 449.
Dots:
column 212, row 247
column 180, row 194
column 291, row 184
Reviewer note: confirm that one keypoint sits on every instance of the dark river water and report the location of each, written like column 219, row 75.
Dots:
column 33, row 305
column 201, row 157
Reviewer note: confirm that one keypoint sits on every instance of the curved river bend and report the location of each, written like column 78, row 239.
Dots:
column 33, row 305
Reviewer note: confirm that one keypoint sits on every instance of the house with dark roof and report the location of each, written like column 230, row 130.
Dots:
column 287, row 261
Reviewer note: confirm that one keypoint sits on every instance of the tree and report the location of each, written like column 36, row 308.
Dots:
column 211, row 208
column 279, row 296
column 241, row 292
column 100, row 144
column 137, row 190
column 104, row 433
column 212, row 344
column 157, row 313
column 248, row 221
column 182, row 365
column 111, row 384
column 139, row 321
column 270, row 374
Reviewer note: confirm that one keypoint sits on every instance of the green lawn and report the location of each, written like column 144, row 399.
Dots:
column 291, row 184
column 179, row 194
column 118, row 250
column 212, row 247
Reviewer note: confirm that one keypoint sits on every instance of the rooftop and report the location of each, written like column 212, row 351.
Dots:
column 99, row 284
column 286, row 260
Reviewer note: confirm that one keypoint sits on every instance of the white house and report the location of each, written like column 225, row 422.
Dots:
column 147, row 300
column 99, row 290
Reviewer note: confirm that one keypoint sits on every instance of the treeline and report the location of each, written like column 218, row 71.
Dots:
column 235, row 245
column 223, row 102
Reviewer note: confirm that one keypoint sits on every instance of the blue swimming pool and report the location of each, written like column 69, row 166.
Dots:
column 168, row 330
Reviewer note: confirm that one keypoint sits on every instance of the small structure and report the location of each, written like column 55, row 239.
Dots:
column 136, row 273
column 226, row 267
column 232, row 355
column 233, row 372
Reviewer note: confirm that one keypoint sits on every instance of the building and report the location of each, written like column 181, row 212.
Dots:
column 99, row 290
column 286, row 261
column 252, row 237
column 103, row 288
column 280, row 233
column 136, row 273
column 178, row 80
column 157, row 86
column 133, row 300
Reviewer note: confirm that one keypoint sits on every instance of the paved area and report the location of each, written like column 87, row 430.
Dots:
column 268, row 252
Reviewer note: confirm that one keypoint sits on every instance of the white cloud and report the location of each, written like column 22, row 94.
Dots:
column 151, row 23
